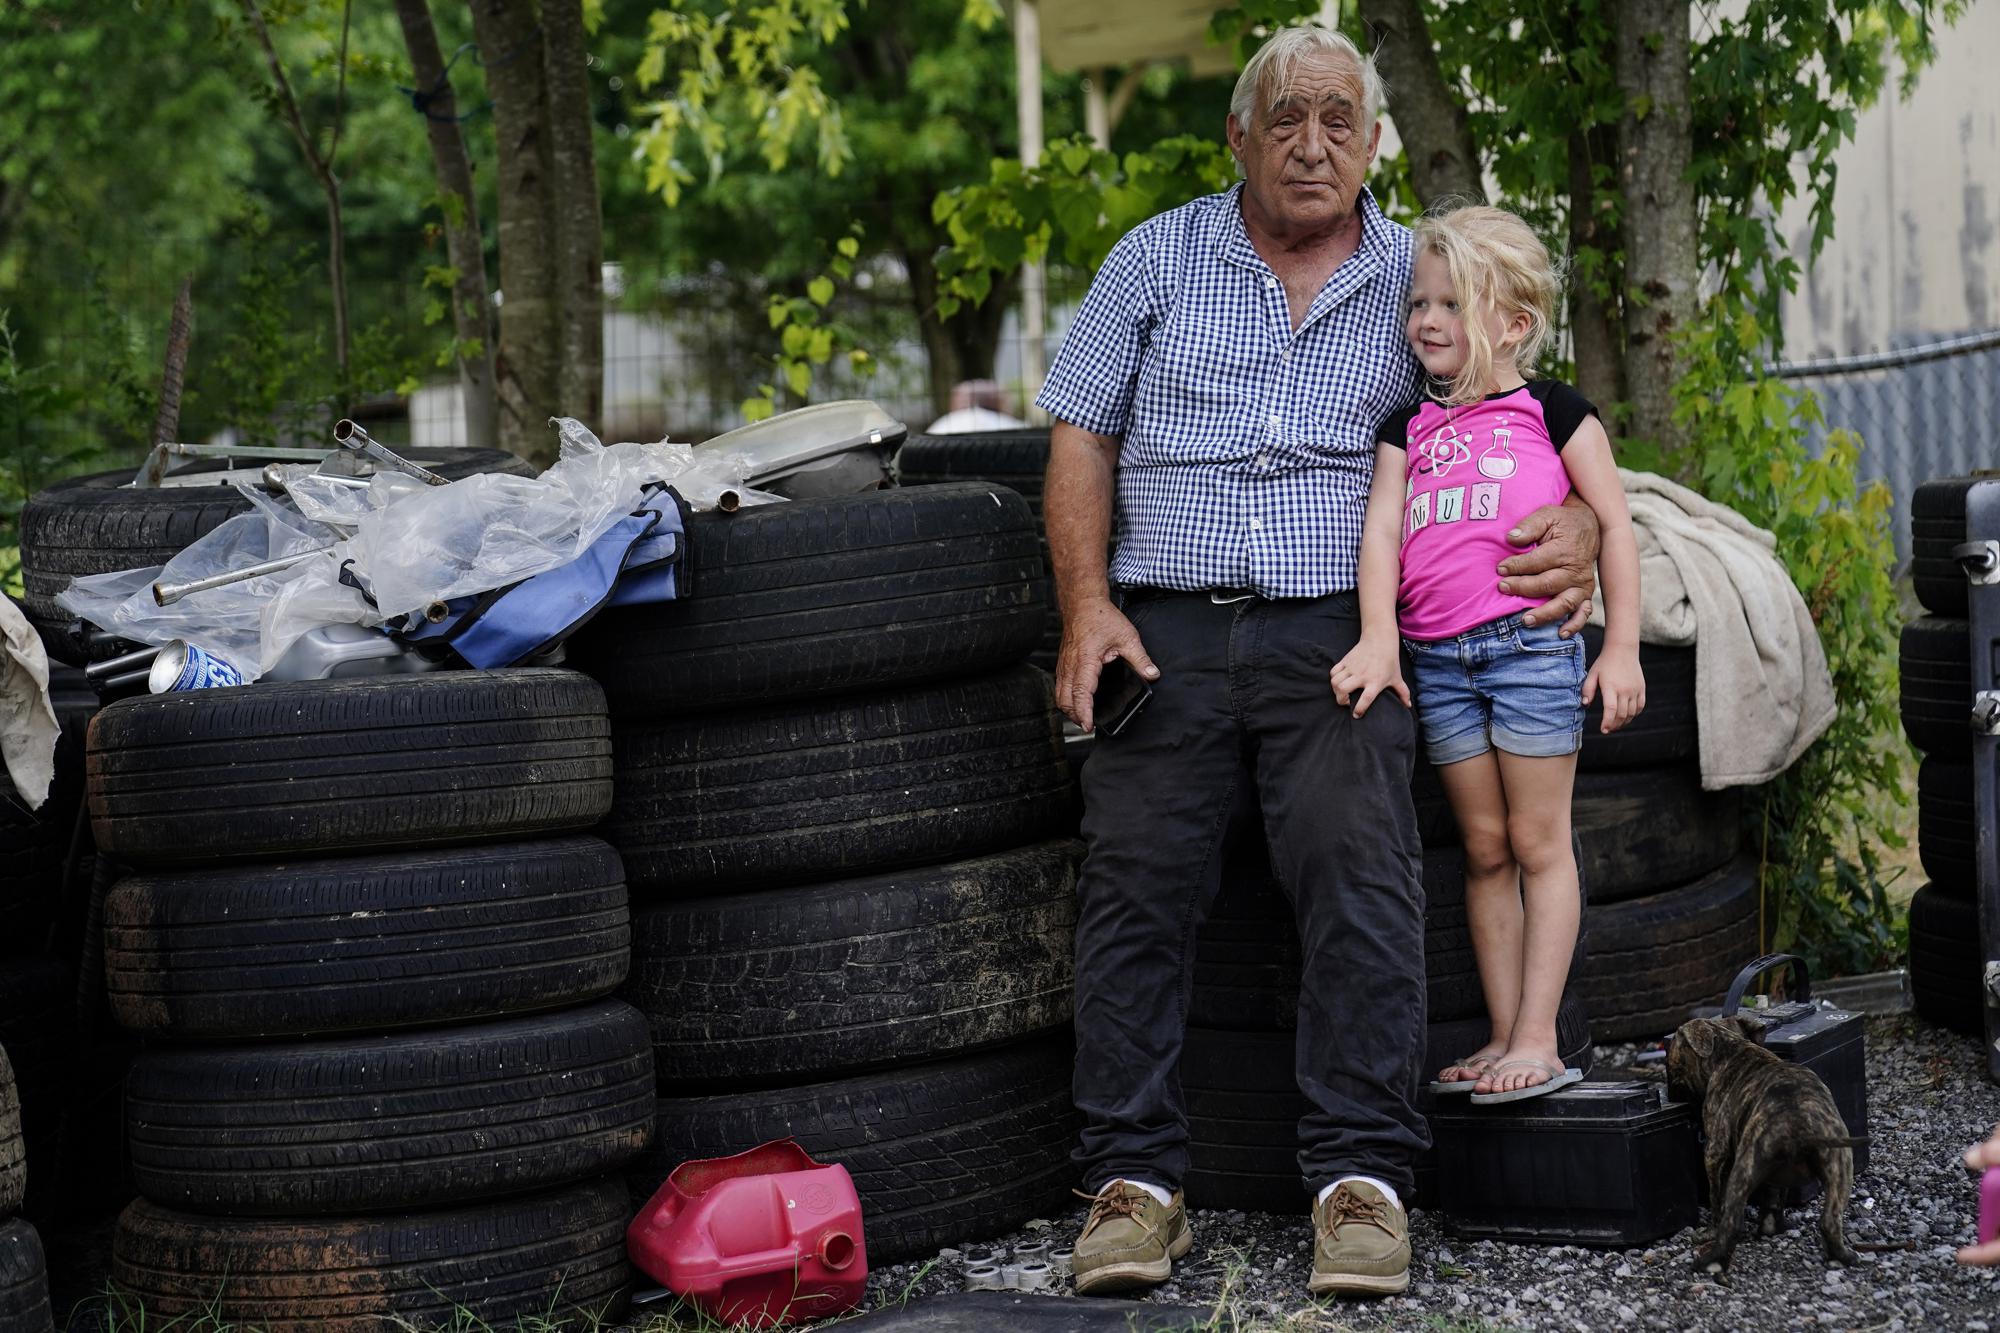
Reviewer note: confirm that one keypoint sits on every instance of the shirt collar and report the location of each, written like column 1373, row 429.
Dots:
column 1233, row 242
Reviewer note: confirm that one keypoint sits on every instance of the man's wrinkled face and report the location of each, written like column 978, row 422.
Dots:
column 1306, row 151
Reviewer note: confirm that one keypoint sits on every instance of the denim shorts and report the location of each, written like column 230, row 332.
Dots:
column 1505, row 686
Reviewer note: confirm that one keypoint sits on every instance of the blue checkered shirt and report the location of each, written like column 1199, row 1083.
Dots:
column 1246, row 447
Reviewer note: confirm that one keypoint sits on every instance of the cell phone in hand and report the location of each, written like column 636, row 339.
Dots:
column 1121, row 693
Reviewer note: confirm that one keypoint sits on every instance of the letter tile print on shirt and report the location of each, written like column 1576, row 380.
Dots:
column 1486, row 501
column 1451, row 504
column 1420, row 514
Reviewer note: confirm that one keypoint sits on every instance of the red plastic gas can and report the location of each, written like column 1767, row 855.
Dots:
column 762, row 1239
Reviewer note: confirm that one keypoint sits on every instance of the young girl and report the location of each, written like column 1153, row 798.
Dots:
column 1500, row 703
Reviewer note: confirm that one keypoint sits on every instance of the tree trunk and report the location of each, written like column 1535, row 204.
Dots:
column 579, row 221
column 1655, row 146
column 964, row 347
column 1596, row 341
column 1429, row 115
column 525, row 367
column 471, row 307
column 321, row 166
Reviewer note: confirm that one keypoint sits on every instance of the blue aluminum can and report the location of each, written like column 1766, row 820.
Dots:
column 182, row 666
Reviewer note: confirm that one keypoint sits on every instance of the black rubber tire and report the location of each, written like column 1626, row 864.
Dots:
column 1639, row 829
column 1244, row 1106
column 366, row 764
column 452, row 935
column 95, row 524
column 24, row 1281
column 1936, row 662
column 1665, row 733
column 35, row 845
column 1937, row 523
column 939, row 1152
column 1016, row 459
column 38, row 1031
column 830, row 789
column 828, row 978
column 13, row 1148
column 372, row 1124
column 1946, row 960
column 819, row 597
column 1651, row 960
column 1945, row 828
column 1646, row 829
column 515, row 1259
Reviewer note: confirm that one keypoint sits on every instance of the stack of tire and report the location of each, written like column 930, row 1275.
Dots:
column 24, row 1284
column 844, row 813
column 45, row 867
column 369, row 960
column 1946, row 950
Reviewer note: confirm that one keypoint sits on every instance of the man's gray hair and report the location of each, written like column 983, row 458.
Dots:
column 1277, row 61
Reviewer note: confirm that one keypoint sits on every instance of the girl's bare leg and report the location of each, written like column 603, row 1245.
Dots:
column 1492, row 895
column 1537, row 797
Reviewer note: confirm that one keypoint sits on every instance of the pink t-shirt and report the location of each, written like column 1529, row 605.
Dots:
column 1475, row 471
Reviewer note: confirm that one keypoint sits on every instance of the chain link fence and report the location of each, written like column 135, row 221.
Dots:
column 1922, row 411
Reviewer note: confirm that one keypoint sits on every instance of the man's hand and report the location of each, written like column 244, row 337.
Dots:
column 1562, row 566
column 1094, row 634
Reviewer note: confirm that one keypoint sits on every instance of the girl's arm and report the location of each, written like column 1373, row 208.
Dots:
column 1587, row 459
column 1376, row 663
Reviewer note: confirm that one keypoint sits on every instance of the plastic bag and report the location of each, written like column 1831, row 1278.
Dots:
column 405, row 544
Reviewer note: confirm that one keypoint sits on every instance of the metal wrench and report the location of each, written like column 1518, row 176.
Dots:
column 351, row 437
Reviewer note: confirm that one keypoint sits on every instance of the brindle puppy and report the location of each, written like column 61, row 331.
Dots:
column 1770, row 1125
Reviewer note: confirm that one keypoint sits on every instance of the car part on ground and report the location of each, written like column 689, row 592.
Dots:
column 938, row 1151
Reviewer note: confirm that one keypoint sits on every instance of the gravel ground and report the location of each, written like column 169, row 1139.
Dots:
column 1927, row 1100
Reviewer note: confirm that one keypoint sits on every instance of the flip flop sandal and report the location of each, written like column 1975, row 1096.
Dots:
column 1483, row 1063
column 1558, row 1077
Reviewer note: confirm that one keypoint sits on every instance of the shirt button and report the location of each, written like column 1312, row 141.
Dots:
column 1270, row 282
column 1256, row 523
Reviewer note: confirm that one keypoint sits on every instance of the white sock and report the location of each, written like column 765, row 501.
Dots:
column 1157, row 1191
column 1387, row 1193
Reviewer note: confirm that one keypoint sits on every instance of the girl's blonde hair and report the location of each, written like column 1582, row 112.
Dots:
column 1497, row 264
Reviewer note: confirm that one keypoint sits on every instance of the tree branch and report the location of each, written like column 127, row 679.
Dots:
column 1428, row 113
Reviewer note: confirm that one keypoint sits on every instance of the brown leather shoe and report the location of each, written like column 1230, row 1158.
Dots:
column 1361, row 1243
column 1130, row 1240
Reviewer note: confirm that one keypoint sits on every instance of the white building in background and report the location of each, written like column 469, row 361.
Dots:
column 1915, row 252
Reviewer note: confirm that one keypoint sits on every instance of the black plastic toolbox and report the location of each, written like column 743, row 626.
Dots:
column 1610, row 1164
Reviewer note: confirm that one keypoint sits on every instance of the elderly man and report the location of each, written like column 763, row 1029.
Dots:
column 1224, row 379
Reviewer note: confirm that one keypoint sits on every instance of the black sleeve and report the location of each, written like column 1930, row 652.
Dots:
column 1562, row 407
column 1395, row 428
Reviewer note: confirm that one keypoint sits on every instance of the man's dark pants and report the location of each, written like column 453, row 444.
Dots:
column 1243, row 697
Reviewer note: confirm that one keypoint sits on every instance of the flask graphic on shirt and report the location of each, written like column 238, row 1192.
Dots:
column 1497, row 460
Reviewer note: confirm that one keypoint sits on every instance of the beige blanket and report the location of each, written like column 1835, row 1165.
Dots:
column 27, row 720
column 1709, row 577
